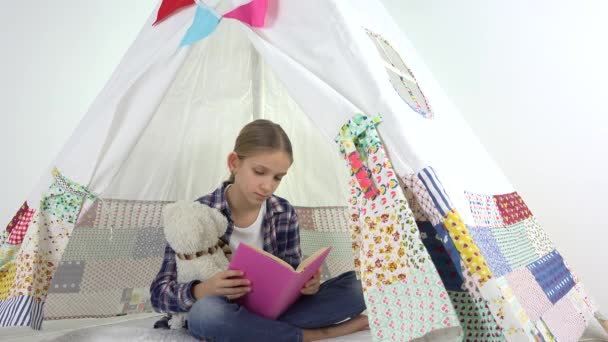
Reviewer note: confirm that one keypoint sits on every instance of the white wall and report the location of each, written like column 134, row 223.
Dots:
column 56, row 56
column 528, row 77
column 531, row 79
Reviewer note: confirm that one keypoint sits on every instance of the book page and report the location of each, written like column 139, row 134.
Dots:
column 270, row 256
column 311, row 258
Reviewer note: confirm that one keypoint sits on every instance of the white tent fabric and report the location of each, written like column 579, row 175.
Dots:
column 161, row 128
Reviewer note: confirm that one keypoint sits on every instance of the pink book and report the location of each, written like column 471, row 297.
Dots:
column 275, row 285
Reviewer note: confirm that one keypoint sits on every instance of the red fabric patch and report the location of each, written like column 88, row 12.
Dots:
column 168, row 7
column 17, row 217
column 512, row 208
column 20, row 228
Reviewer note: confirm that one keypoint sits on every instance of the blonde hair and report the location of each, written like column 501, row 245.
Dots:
column 261, row 135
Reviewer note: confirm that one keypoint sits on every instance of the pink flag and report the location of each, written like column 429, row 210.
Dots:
column 252, row 13
column 168, row 7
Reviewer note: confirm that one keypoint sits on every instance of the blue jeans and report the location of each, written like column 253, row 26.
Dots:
column 218, row 320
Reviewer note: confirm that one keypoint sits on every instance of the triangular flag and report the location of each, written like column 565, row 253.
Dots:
column 203, row 25
column 252, row 14
column 168, row 7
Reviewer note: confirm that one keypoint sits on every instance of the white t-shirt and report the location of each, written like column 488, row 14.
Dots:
column 251, row 235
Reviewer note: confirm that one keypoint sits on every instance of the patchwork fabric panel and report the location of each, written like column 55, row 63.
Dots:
column 515, row 246
column 410, row 308
column 490, row 249
column 538, row 237
column 475, row 318
column 553, row 276
column 117, row 245
column 484, row 210
column 529, row 293
column 39, row 237
column 564, row 321
column 443, row 253
column 20, row 228
column 389, row 251
column 512, row 208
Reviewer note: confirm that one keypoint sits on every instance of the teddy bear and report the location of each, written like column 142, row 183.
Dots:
column 193, row 230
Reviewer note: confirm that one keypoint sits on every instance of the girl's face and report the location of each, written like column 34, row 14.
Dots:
column 258, row 176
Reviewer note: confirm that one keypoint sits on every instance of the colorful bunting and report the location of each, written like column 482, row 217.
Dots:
column 252, row 13
column 169, row 7
column 203, row 25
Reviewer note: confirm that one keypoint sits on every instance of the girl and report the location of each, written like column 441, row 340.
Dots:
column 261, row 158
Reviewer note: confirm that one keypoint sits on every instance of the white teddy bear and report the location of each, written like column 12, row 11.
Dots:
column 194, row 230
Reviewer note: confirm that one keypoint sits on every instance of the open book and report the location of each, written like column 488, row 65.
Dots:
column 275, row 285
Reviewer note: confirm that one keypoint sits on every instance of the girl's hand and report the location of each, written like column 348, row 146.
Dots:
column 229, row 284
column 312, row 286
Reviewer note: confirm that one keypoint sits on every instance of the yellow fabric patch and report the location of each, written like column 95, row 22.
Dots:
column 7, row 279
column 468, row 250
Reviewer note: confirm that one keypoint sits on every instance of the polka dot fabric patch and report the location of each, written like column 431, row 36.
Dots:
column 529, row 293
column 538, row 237
column 564, row 321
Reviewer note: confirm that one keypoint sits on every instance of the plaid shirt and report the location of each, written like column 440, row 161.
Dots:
column 281, row 238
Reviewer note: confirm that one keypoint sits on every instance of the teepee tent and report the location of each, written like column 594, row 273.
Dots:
column 384, row 166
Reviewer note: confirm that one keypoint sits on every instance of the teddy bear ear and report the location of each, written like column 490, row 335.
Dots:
column 221, row 223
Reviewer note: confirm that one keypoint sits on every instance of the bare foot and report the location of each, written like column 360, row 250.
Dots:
column 353, row 325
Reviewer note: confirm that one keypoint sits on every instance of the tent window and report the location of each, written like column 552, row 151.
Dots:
column 401, row 77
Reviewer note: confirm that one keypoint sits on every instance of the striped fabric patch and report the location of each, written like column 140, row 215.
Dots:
column 553, row 276
column 512, row 208
column 484, row 210
column 515, row 246
column 21, row 311
column 435, row 189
